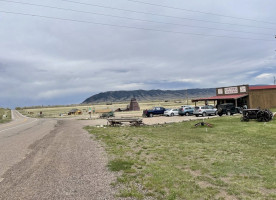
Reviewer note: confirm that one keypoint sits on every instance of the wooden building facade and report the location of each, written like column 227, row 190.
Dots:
column 262, row 96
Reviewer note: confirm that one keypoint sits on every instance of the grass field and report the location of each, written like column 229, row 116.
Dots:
column 232, row 160
column 6, row 112
column 56, row 111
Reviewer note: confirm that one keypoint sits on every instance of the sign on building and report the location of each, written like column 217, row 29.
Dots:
column 232, row 90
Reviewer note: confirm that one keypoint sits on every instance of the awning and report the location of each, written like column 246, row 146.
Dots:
column 236, row 96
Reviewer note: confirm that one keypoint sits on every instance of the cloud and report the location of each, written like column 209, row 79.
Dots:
column 264, row 76
column 190, row 80
column 46, row 61
column 130, row 86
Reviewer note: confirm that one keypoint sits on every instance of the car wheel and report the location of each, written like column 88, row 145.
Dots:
column 172, row 114
column 187, row 114
column 204, row 114
column 151, row 115
column 228, row 113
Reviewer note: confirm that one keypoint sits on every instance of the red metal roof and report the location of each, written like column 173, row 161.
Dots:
column 262, row 87
column 235, row 96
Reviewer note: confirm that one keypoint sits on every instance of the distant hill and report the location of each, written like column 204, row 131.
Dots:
column 142, row 95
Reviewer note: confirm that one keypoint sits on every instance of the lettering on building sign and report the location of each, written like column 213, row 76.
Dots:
column 242, row 89
column 220, row 91
column 231, row 90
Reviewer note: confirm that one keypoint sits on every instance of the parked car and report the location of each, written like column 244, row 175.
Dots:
column 228, row 109
column 171, row 112
column 186, row 111
column 205, row 110
column 154, row 111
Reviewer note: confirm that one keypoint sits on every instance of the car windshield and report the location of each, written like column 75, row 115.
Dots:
column 196, row 108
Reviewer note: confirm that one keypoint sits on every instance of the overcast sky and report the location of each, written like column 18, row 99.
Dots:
column 50, row 61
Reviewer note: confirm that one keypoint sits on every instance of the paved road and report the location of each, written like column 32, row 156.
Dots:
column 51, row 159
column 17, row 136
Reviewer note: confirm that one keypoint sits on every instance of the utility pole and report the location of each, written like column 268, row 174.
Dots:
column 187, row 96
column 274, row 80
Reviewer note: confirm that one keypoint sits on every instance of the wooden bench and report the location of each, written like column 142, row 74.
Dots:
column 120, row 121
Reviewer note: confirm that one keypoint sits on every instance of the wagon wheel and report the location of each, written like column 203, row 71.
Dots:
column 260, row 116
column 269, row 114
column 266, row 116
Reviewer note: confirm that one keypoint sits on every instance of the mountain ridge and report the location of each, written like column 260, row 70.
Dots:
column 140, row 95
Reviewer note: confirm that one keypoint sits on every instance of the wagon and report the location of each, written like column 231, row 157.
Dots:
column 120, row 121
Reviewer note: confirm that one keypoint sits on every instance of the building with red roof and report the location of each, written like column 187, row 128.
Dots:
column 251, row 96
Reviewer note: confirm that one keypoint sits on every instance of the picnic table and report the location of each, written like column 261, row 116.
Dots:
column 120, row 121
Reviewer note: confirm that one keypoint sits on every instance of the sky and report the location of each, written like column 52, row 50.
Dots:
column 57, row 52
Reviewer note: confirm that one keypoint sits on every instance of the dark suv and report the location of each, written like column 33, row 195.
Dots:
column 227, row 109
column 154, row 111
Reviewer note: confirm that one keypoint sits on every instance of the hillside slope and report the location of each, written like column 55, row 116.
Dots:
column 142, row 95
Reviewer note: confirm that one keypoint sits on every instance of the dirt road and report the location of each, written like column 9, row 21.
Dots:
column 51, row 159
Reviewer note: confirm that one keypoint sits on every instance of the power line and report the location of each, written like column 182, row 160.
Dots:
column 128, row 18
column 131, row 27
column 169, row 16
column 202, row 12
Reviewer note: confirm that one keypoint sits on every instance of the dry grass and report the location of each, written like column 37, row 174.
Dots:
column 7, row 113
column 61, row 112
column 232, row 160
